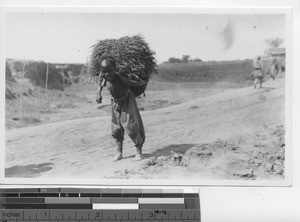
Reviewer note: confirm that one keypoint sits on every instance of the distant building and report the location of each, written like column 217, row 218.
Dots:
column 278, row 53
column 61, row 66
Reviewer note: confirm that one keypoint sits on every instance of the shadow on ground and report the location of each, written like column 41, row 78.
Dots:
column 166, row 151
column 28, row 171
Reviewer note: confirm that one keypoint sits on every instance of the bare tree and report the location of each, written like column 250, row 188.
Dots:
column 272, row 43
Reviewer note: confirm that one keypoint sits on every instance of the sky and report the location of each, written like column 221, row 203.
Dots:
column 67, row 37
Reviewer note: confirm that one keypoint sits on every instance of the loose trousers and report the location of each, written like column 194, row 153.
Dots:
column 126, row 118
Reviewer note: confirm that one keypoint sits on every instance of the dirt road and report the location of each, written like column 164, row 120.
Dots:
column 229, row 135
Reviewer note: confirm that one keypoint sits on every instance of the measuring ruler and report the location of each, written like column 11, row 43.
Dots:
column 85, row 204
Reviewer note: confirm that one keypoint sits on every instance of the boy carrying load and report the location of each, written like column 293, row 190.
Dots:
column 127, row 65
column 125, row 113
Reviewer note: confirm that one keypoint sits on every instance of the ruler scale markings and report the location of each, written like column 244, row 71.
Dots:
column 161, row 200
column 177, row 221
column 163, row 195
column 134, row 214
column 69, row 206
column 114, row 200
column 90, row 195
column 25, row 206
column 152, row 220
column 82, row 215
column 67, row 200
column 148, row 214
column 132, row 190
column 191, row 195
column 132, row 195
column 9, row 190
column 174, row 214
column 11, row 214
column 108, row 214
column 10, row 195
column 24, row 200
column 144, row 191
column 122, row 215
column 187, row 214
column 91, row 190
column 49, row 190
column 172, row 191
column 90, row 221
column 69, row 194
column 115, row 206
column 110, row 221
column 96, row 214
column 161, row 214
column 29, row 194
column 49, row 195
column 104, row 191
column 161, row 206
column 192, row 203
column 56, row 215
column 37, row 214
column 69, row 215
column 29, row 190
column 129, row 202
column 111, row 195
column 69, row 190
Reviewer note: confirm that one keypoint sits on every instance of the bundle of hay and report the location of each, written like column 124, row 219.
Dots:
column 134, row 59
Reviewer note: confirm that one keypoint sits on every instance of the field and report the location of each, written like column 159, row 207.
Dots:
column 76, row 98
column 197, row 129
column 230, row 71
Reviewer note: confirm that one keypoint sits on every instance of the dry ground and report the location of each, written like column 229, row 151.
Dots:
column 198, row 134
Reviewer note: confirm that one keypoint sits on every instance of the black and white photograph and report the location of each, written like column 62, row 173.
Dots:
column 169, row 96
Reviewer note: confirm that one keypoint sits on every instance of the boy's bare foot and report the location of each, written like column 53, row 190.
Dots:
column 138, row 157
column 117, row 157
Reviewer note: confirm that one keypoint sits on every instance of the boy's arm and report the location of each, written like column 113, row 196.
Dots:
column 128, row 82
column 99, row 94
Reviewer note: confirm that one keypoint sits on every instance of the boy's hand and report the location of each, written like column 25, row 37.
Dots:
column 142, row 82
column 99, row 98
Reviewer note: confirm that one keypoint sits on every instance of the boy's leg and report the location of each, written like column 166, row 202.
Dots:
column 138, row 142
column 255, row 82
column 133, row 124
column 260, row 82
column 135, row 130
column 118, row 134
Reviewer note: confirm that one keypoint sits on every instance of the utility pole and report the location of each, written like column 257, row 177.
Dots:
column 46, row 86
column 21, row 89
column 63, row 76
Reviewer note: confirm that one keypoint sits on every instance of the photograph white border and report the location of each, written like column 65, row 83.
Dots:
column 165, row 9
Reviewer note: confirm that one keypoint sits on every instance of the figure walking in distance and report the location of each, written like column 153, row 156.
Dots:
column 274, row 69
column 258, row 74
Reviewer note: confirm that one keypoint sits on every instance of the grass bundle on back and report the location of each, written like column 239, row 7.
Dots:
column 135, row 60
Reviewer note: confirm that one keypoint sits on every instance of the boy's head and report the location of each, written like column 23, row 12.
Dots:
column 108, row 68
